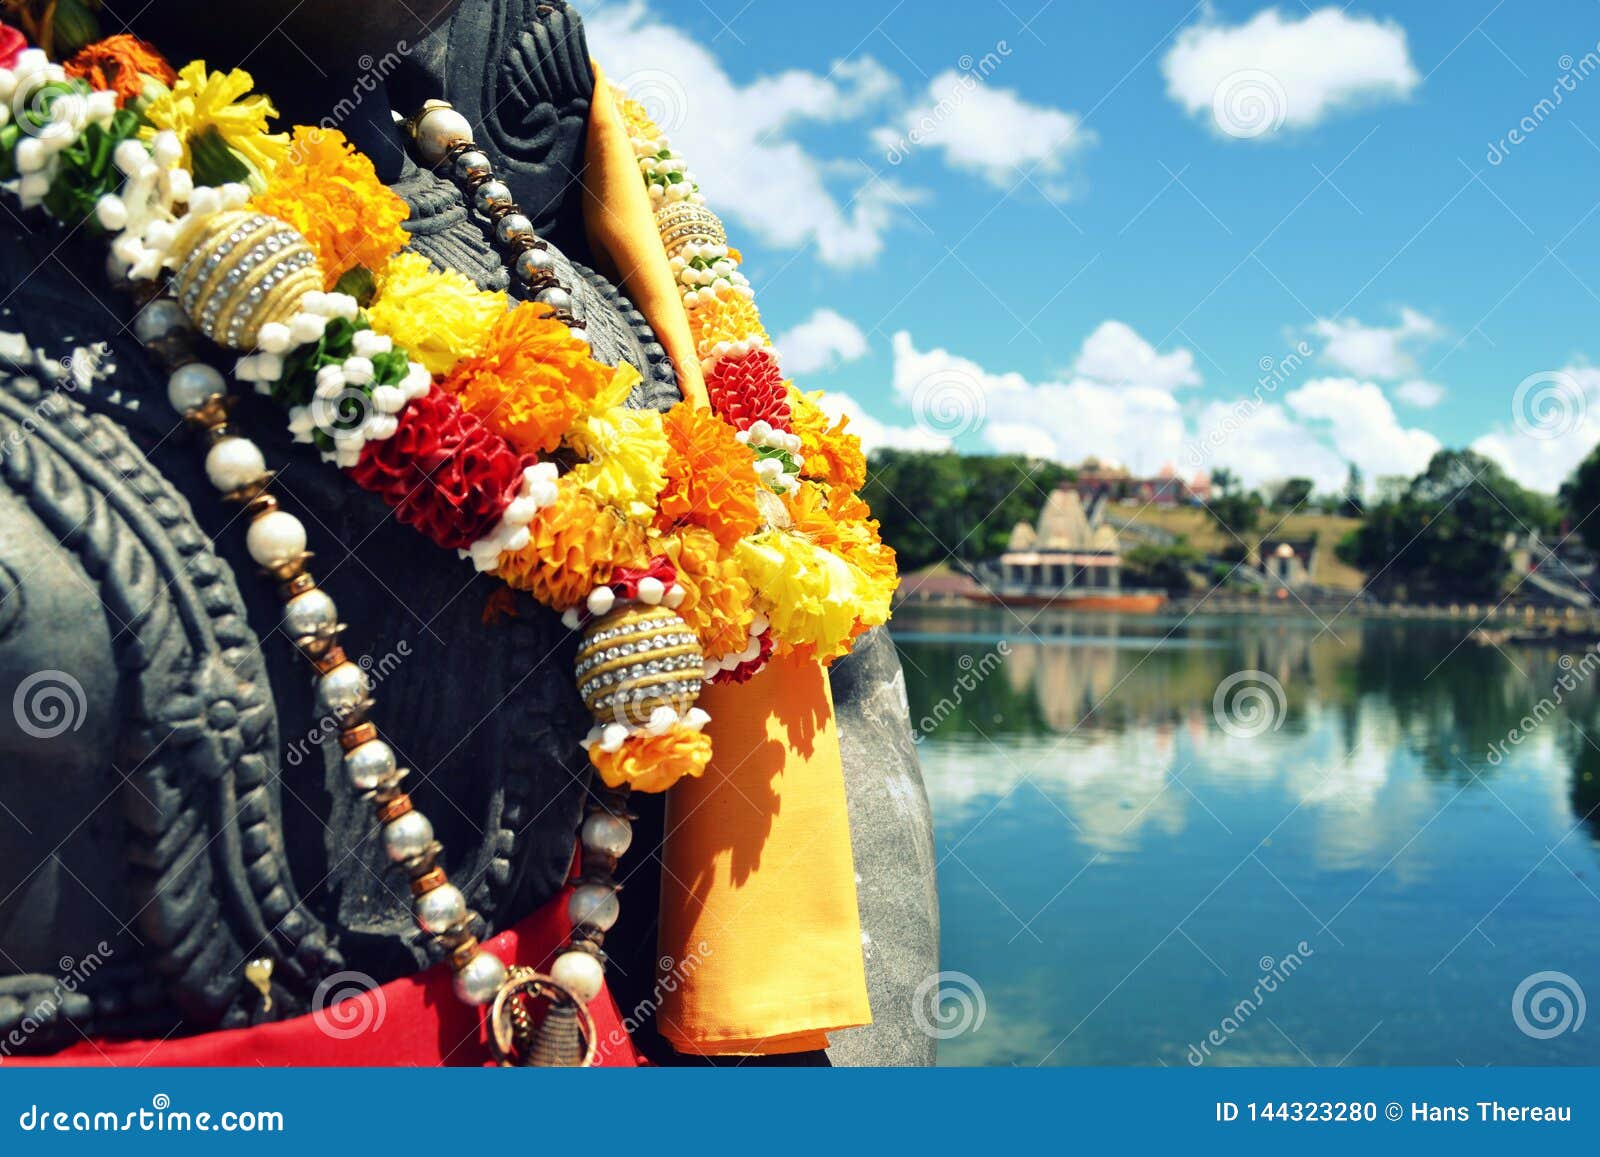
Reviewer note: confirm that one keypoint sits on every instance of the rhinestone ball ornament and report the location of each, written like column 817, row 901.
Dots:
column 684, row 223
column 636, row 658
column 240, row 271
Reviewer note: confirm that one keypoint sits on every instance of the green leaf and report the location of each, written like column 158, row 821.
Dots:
column 213, row 162
column 359, row 284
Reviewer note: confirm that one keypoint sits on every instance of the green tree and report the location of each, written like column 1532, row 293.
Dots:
column 1445, row 537
column 1235, row 510
column 933, row 508
column 1291, row 494
column 1354, row 502
column 1168, row 568
column 1580, row 499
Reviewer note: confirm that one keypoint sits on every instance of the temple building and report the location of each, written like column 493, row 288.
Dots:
column 1097, row 479
column 1070, row 549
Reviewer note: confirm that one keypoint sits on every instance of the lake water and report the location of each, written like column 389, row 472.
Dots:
column 1349, row 856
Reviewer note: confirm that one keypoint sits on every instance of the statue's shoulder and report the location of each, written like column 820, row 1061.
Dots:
column 139, row 759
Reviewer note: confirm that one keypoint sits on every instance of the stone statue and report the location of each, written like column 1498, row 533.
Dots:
column 169, row 804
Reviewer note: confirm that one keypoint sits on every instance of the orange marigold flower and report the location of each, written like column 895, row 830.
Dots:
column 840, row 522
column 718, row 603
column 731, row 318
column 653, row 762
column 573, row 547
column 119, row 64
column 831, row 453
column 332, row 195
column 711, row 478
column 530, row 380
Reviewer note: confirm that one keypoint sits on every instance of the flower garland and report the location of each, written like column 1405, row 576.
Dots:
column 725, row 535
column 818, row 566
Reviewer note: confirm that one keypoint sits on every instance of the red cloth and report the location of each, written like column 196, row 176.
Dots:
column 416, row 1020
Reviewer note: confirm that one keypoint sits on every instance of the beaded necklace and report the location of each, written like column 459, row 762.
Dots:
column 491, row 431
column 276, row 540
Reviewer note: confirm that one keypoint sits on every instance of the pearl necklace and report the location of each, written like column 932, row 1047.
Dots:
column 276, row 540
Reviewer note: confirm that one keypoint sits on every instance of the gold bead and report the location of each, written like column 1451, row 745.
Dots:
column 683, row 223
column 240, row 270
column 635, row 658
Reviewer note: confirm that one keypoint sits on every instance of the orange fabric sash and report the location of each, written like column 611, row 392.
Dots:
column 758, row 906
column 758, row 893
column 622, row 232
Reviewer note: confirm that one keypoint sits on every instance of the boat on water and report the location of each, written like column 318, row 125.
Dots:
column 1135, row 602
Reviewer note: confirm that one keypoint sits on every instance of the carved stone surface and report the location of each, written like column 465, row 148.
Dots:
column 891, row 832
column 192, row 814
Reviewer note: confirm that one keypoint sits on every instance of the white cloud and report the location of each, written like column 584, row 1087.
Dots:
column 1277, row 71
column 1421, row 394
column 990, row 131
column 1555, row 423
column 1363, row 427
column 1262, row 441
column 824, row 340
column 1102, row 410
column 735, row 135
column 1114, row 353
column 876, row 435
column 1375, row 351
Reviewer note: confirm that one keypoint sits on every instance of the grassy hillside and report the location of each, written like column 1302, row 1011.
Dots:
column 1197, row 526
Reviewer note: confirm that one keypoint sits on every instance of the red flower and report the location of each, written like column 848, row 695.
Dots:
column 12, row 43
column 749, row 389
column 444, row 472
column 625, row 579
column 748, row 669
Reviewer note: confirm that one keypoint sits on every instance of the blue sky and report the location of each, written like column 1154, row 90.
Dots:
column 1113, row 220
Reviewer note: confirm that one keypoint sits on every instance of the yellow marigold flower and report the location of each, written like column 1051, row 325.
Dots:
column 831, row 453
column 653, row 762
column 219, row 102
column 811, row 595
column 332, row 195
column 438, row 317
column 838, row 521
column 718, row 603
column 627, row 453
column 573, row 547
column 731, row 318
column 531, row 379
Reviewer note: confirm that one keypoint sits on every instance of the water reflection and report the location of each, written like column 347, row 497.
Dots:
column 1381, row 805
